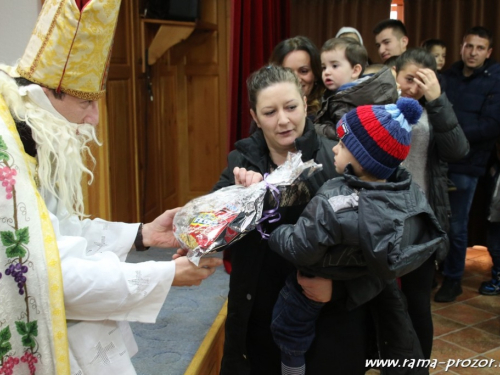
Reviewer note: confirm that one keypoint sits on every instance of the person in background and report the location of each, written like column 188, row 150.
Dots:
column 437, row 48
column 344, row 61
column 436, row 139
column 302, row 56
column 492, row 287
column 67, row 293
column 391, row 38
column 349, row 32
column 473, row 87
column 278, row 108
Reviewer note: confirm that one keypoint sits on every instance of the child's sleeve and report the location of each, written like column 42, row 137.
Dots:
column 306, row 242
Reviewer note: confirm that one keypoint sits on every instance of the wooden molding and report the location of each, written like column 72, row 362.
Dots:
column 168, row 34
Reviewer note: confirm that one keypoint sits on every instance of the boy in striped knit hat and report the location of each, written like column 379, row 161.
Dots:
column 363, row 229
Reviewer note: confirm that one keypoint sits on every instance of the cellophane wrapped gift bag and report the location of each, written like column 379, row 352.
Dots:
column 209, row 223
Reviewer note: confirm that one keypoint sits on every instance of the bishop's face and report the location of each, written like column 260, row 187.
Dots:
column 75, row 110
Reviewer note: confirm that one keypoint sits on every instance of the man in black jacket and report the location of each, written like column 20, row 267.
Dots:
column 473, row 87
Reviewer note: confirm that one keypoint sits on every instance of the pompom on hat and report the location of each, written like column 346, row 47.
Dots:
column 379, row 136
column 70, row 47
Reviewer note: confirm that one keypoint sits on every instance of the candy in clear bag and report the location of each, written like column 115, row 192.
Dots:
column 209, row 223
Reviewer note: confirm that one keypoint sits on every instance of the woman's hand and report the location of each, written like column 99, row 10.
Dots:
column 246, row 178
column 316, row 288
column 429, row 83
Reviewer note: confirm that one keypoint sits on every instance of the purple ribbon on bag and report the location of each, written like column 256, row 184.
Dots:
column 272, row 215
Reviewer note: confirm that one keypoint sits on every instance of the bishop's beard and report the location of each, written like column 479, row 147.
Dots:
column 62, row 148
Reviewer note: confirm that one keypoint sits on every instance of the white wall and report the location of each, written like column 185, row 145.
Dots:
column 17, row 20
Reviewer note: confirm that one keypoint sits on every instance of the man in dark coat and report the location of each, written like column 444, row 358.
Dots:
column 473, row 87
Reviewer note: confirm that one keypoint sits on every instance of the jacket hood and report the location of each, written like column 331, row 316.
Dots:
column 378, row 89
column 399, row 180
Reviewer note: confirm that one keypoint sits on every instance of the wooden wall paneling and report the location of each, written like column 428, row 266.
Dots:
column 160, row 134
column 203, row 132
column 204, row 119
column 147, row 129
column 168, row 136
column 122, row 155
column 121, row 110
column 185, row 148
column 208, row 11
column 206, row 73
column 223, row 34
column 134, row 64
column 186, row 127
column 147, row 119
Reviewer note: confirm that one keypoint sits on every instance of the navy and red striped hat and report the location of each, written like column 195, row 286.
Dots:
column 379, row 136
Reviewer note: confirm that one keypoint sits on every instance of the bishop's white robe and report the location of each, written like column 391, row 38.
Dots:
column 102, row 293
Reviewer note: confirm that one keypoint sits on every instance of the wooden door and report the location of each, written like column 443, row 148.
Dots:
column 114, row 192
column 160, row 153
column 185, row 147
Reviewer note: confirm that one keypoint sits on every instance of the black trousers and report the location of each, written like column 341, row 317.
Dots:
column 395, row 334
column 417, row 288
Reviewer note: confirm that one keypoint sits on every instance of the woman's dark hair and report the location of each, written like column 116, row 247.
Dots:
column 430, row 43
column 302, row 43
column 265, row 77
column 417, row 56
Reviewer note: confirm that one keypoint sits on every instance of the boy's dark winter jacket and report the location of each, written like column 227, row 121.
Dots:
column 378, row 89
column 353, row 227
column 257, row 273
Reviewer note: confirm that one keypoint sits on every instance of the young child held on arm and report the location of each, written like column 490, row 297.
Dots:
column 343, row 61
column 372, row 220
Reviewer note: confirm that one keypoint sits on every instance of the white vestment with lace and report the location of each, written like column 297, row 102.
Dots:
column 102, row 293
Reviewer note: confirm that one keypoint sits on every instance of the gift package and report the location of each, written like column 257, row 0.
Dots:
column 209, row 223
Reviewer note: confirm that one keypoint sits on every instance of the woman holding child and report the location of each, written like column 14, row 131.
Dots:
column 341, row 342
column 280, row 125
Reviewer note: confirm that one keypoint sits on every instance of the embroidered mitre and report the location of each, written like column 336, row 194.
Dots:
column 70, row 47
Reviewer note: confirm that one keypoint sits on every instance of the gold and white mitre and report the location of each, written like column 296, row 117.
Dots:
column 70, row 48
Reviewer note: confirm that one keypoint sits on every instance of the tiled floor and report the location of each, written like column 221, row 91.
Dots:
column 468, row 328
